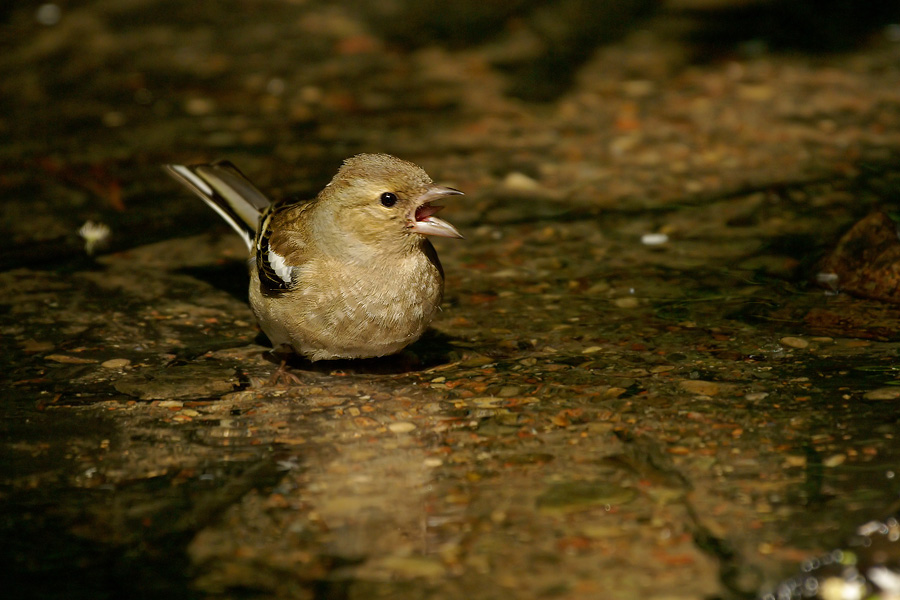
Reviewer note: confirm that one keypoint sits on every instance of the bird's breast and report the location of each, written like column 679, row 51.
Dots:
column 353, row 311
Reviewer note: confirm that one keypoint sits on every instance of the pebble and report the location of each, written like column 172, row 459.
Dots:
column 654, row 239
column 885, row 393
column 486, row 402
column 794, row 342
column 700, row 387
column 520, row 182
column 115, row 363
column 754, row 396
column 199, row 106
column 69, row 360
column 31, row 346
column 170, row 403
column 638, row 88
column 834, row 460
column 795, row 460
column 627, row 302
column 402, row 427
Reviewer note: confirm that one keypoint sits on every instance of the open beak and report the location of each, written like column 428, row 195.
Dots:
column 423, row 220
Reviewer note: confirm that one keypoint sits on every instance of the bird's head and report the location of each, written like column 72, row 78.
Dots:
column 380, row 199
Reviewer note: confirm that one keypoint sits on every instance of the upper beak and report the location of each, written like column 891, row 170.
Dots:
column 423, row 219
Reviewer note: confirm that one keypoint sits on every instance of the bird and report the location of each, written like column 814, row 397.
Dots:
column 348, row 274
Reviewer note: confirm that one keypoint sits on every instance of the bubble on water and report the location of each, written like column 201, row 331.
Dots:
column 810, row 586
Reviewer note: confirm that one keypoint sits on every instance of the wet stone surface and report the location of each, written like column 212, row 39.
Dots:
column 637, row 386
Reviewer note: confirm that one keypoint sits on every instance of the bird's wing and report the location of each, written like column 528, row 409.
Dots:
column 281, row 246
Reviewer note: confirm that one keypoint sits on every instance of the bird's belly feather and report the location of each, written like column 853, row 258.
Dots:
column 351, row 314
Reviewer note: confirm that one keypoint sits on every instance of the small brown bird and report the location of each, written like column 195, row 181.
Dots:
column 349, row 274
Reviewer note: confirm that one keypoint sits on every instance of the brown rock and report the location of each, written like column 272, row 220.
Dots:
column 866, row 260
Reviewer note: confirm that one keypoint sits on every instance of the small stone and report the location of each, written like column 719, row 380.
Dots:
column 520, row 182
column 32, row 346
column 885, row 393
column 794, row 342
column 402, row 427
column 795, row 460
column 627, row 302
column 115, row 363
column 834, row 460
column 69, row 360
column 756, row 396
column 199, row 106
column 476, row 361
column 638, row 88
column 654, row 239
column 700, row 387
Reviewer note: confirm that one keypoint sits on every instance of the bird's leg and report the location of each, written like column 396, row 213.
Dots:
column 282, row 376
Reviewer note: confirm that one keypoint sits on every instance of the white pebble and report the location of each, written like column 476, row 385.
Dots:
column 654, row 239
column 520, row 182
column 402, row 427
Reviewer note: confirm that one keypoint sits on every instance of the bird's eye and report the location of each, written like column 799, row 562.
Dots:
column 388, row 199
